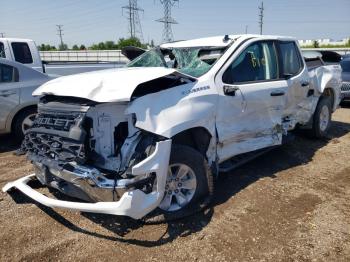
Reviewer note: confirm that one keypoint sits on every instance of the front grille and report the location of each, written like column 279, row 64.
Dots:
column 56, row 120
column 56, row 138
column 345, row 86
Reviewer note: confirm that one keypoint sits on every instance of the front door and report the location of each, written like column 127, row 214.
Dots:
column 252, row 95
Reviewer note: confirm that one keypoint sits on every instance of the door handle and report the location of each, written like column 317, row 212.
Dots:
column 230, row 90
column 305, row 84
column 277, row 93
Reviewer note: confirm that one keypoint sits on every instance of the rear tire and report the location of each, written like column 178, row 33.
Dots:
column 322, row 117
column 22, row 122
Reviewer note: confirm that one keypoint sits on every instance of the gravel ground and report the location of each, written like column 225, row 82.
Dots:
column 291, row 204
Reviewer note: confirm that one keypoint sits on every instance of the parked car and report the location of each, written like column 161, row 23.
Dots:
column 345, row 88
column 17, row 105
column 154, row 135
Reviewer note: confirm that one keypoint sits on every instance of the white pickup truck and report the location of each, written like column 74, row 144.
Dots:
column 23, row 51
column 152, row 136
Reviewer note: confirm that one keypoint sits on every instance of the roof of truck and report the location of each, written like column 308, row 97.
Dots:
column 11, row 39
column 219, row 41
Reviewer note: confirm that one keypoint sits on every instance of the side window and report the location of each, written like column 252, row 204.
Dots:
column 291, row 62
column 258, row 62
column 8, row 74
column 22, row 53
column 2, row 50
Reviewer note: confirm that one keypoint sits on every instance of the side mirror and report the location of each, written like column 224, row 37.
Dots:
column 230, row 90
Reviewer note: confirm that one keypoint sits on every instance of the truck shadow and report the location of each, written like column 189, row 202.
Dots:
column 268, row 165
column 8, row 143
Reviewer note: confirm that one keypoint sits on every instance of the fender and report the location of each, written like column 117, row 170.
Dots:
column 169, row 112
column 328, row 77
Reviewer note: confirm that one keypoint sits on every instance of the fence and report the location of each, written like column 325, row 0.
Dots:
column 341, row 51
column 92, row 56
column 115, row 56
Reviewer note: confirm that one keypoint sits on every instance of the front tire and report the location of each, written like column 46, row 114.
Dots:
column 322, row 117
column 189, row 183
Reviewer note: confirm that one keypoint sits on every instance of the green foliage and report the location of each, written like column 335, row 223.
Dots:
column 63, row 47
column 45, row 47
column 82, row 47
column 75, row 47
column 110, row 45
column 316, row 44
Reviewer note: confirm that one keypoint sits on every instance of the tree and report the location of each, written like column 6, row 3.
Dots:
column 316, row 44
column 152, row 43
column 75, row 47
column 63, row 47
column 46, row 47
column 82, row 47
column 133, row 41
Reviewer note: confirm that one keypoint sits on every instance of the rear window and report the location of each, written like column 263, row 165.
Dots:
column 291, row 61
column 22, row 53
column 8, row 74
column 2, row 50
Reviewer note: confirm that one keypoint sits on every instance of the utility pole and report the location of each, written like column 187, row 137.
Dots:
column 59, row 30
column 246, row 29
column 167, row 20
column 2, row 35
column 132, row 12
column 261, row 17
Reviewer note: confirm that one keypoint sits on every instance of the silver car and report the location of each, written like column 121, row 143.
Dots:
column 17, row 105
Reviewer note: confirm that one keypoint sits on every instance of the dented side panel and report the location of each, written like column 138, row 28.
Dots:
column 177, row 109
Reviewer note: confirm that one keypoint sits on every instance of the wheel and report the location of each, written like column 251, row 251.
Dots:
column 23, row 122
column 188, row 183
column 322, row 117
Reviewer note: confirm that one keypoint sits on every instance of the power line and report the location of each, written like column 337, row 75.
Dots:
column 132, row 12
column 261, row 17
column 167, row 20
column 59, row 30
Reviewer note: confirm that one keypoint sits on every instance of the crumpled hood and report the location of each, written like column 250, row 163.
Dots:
column 111, row 85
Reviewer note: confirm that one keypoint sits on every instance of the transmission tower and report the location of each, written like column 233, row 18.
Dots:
column 167, row 20
column 132, row 13
column 261, row 17
column 59, row 30
column 2, row 35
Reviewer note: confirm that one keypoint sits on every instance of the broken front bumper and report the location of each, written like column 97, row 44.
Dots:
column 135, row 203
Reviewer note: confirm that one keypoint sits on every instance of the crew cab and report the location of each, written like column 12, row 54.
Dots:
column 151, row 137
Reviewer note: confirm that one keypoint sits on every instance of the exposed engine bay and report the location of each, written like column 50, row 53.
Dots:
column 99, row 141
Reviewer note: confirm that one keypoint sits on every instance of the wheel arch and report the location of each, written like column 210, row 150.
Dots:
column 11, row 120
column 329, row 92
column 198, row 138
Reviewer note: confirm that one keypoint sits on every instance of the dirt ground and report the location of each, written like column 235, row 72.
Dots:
column 291, row 204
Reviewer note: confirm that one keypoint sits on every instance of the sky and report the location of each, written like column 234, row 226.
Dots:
column 92, row 21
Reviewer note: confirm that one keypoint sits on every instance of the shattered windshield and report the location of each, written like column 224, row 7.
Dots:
column 194, row 61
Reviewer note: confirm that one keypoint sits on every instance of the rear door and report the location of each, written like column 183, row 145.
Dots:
column 9, row 92
column 251, row 100
column 293, row 68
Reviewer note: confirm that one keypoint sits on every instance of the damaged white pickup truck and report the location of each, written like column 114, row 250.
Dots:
column 153, row 135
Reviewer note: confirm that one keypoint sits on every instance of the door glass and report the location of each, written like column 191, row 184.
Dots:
column 290, row 58
column 22, row 53
column 6, row 73
column 2, row 50
column 256, row 63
